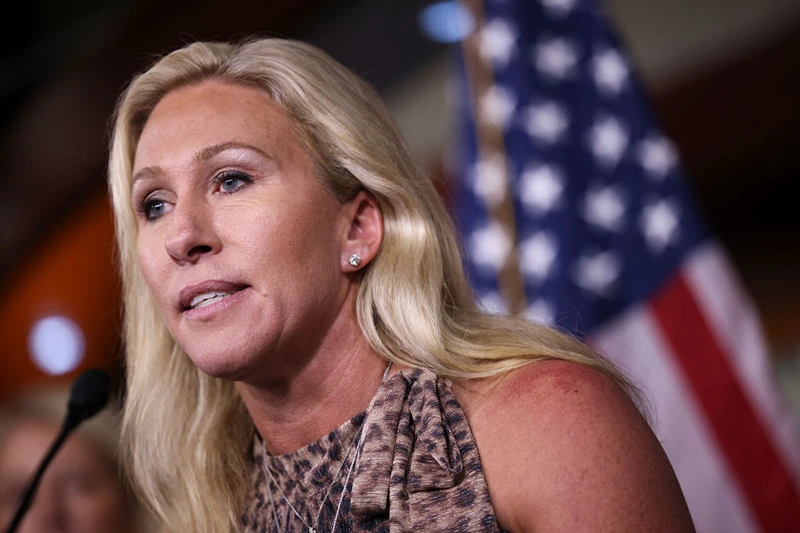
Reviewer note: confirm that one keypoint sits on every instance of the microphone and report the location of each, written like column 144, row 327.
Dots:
column 87, row 397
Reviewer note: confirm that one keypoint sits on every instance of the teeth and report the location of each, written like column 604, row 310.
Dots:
column 207, row 298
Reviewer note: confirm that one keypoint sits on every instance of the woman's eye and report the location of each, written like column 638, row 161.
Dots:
column 153, row 208
column 233, row 181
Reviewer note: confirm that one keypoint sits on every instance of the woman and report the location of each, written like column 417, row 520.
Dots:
column 81, row 491
column 304, row 353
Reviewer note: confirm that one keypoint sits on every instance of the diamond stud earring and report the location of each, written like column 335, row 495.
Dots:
column 354, row 260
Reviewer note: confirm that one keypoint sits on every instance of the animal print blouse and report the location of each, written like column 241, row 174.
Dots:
column 408, row 464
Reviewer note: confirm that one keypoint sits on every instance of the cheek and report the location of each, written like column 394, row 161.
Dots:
column 275, row 236
column 150, row 252
column 303, row 244
column 297, row 258
column 152, row 267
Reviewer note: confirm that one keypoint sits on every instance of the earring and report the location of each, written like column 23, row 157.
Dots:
column 354, row 260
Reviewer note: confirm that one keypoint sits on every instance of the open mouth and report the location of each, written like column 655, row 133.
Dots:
column 208, row 298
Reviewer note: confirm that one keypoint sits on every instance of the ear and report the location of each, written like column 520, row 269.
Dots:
column 364, row 232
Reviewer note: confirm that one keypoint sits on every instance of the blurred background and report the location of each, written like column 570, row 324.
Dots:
column 722, row 75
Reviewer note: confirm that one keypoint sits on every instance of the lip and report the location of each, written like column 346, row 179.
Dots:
column 189, row 292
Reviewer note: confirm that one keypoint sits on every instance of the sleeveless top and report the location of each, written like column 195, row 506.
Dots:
column 407, row 464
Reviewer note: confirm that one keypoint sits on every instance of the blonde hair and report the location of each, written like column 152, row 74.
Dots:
column 188, row 435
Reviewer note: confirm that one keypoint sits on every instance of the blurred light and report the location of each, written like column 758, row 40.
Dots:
column 446, row 22
column 57, row 344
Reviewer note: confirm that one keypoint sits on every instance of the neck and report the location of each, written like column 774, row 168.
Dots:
column 335, row 385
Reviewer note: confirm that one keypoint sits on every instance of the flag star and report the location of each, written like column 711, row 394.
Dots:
column 490, row 180
column 555, row 58
column 559, row 7
column 605, row 208
column 497, row 41
column 597, row 273
column 537, row 255
column 660, row 224
column 610, row 71
column 498, row 105
column 491, row 302
column 608, row 138
column 657, row 156
column 489, row 247
column 542, row 312
column 546, row 122
column 541, row 187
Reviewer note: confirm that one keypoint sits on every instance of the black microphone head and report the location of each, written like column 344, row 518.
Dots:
column 89, row 394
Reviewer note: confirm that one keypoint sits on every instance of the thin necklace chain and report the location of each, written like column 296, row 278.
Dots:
column 313, row 528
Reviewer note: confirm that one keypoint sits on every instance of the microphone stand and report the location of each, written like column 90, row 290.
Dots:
column 27, row 498
column 88, row 396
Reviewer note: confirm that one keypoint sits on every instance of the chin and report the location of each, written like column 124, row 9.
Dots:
column 226, row 365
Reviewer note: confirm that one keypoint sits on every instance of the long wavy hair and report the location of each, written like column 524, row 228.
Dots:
column 187, row 435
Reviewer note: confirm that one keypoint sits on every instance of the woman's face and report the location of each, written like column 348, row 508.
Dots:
column 239, row 241
column 79, row 492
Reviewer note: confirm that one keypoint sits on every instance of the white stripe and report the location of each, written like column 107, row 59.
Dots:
column 734, row 322
column 636, row 344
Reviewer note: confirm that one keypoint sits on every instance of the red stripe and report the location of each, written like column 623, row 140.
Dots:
column 740, row 433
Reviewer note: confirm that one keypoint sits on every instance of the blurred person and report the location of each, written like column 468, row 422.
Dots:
column 82, row 490
column 303, row 350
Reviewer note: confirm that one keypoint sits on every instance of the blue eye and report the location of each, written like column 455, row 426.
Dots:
column 230, row 182
column 153, row 208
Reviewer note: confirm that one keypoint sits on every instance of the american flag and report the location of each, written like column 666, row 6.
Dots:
column 574, row 211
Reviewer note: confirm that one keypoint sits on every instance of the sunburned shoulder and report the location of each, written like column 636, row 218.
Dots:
column 564, row 448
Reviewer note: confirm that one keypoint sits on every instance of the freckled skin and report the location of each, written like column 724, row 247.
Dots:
column 564, row 449
column 79, row 492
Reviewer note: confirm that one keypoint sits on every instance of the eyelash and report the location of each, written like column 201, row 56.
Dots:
column 146, row 207
column 222, row 177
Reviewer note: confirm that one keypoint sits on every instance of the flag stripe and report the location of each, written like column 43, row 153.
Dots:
column 733, row 320
column 638, row 346
column 605, row 221
column 742, row 438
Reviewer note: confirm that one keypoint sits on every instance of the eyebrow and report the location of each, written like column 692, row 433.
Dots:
column 201, row 156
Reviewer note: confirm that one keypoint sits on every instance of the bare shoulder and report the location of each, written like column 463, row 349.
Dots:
column 564, row 449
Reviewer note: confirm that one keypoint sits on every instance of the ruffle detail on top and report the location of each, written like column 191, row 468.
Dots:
column 419, row 462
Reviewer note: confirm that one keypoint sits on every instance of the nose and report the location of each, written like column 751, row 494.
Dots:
column 191, row 233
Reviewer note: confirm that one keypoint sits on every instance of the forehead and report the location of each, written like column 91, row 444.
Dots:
column 211, row 113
